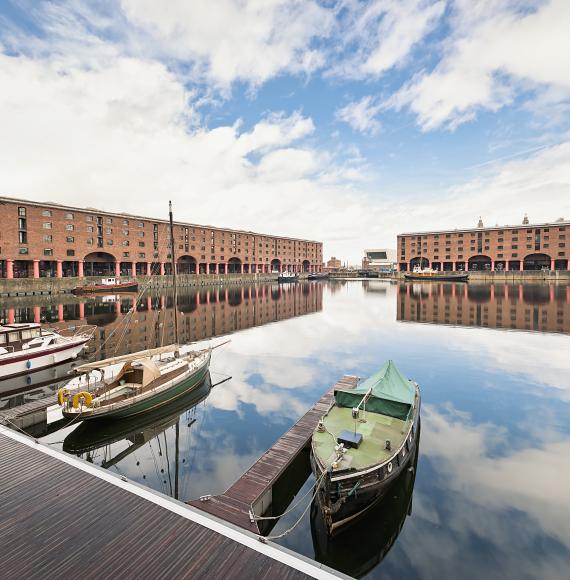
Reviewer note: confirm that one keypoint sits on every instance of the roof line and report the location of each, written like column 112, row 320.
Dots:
column 489, row 228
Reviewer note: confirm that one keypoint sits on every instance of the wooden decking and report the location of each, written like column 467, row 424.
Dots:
column 248, row 492
column 62, row 517
column 19, row 414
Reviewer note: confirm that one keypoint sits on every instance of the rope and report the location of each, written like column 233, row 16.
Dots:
column 291, row 528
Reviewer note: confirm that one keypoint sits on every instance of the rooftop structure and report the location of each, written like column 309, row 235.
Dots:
column 379, row 260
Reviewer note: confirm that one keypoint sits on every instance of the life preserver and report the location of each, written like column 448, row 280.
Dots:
column 62, row 396
column 87, row 399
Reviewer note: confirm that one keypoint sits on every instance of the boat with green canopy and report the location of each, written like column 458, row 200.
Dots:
column 363, row 442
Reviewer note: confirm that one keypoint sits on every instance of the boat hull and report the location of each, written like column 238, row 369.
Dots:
column 345, row 497
column 287, row 279
column 105, row 288
column 148, row 403
column 437, row 277
column 26, row 361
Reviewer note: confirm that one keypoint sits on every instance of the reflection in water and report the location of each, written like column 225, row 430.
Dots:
column 491, row 498
column 361, row 547
column 537, row 307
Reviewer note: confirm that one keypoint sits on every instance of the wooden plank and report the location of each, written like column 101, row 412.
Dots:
column 60, row 521
column 236, row 503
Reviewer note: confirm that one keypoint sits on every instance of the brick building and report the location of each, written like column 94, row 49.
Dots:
column 333, row 265
column 524, row 247
column 51, row 240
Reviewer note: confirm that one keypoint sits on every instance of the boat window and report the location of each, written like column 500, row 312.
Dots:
column 35, row 332
column 13, row 336
column 2, row 338
column 27, row 334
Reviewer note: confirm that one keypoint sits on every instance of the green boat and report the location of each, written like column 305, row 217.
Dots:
column 133, row 384
column 363, row 442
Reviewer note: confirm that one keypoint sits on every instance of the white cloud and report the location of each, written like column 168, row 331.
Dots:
column 494, row 52
column 361, row 115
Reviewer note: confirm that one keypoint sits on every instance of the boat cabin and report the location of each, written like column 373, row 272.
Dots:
column 109, row 281
column 13, row 336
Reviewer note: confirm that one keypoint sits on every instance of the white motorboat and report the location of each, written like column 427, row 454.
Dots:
column 27, row 347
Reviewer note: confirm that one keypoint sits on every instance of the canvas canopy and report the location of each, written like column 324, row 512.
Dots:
column 391, row 393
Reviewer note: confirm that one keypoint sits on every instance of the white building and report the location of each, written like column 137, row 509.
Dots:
column 380, row 260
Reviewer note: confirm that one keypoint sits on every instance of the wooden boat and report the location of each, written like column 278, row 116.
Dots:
column 25, row 348
column 363, row 442
column 107, row 285
column 135, row 383
column 131, row 384
column 287, row 277
column 371, row 537
column 318, row 276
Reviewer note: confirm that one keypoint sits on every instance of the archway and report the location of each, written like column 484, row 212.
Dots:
column 419, row 261
column 561, row 265
column 186, row 265
column 234, row 266
column 306, row 265
column 276, row 265
column 99, row 264
column 479, row 263
column 537, row 262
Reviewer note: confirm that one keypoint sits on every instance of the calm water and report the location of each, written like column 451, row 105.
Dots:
column 491, row 496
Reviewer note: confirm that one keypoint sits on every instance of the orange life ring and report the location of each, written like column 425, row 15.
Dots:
column 62, row 396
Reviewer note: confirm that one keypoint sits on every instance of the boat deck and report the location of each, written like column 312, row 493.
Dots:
column 375, row 431
column 252, row 490
column 63, row 517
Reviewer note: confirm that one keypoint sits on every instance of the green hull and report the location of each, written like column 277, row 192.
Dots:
column 155, row 401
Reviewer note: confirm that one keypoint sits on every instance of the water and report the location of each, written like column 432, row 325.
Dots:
column 491, row 496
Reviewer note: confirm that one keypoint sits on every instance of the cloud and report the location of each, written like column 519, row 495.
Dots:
column 494, row 53
column 382, row 34
column 361, row 115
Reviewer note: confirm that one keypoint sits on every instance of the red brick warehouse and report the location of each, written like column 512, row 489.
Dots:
column 499, row 248
column 50, row 240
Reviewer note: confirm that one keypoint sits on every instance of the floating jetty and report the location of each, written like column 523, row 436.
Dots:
column 64, row 517
column 252, row 493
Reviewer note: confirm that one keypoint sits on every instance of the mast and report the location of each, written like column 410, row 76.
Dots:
column 172, row 254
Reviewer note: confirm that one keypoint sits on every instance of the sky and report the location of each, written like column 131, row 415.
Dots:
column 342, row 121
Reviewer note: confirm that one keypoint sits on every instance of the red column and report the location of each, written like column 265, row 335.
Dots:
column 162, row 302
column 506, row 292
column 118, row 307
column 492, row 293
column 37, row 313
column 81, row 310
column 149, row 303
column 465, row 292
column 60, row 312
column 134, row 268
column 117, row 269
column 506, row 265
column 226, row 295
column 520, row 292
column 59, row 269
column 197, row 297
column 453, row 291
column 208, row 297
column 455, row 266
column 492, row 265
column 9, row 269
column 242, row 293
column 217, row 268
column 80, row 268
column 36, row 268
column 552, row 264
column 148, row 268
column 11, row 316
column 162, row 271
column 551, row 293
column 241, row 268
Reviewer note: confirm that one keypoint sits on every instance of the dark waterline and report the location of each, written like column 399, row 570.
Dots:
column 491, row 493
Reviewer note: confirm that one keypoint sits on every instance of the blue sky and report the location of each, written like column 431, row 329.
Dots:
column 343, row 121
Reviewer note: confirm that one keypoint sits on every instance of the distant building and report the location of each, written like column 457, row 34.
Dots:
column 523, row 247
column 333, row 265
column 380, row 260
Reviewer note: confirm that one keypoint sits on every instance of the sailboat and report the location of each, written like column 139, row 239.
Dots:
column 123, row 386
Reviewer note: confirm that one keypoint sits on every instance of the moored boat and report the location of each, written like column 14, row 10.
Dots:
column 287, row 277
column 107, row 285
column 25, row 348
column 429, row 275
column 363, row 442
column 318, row 276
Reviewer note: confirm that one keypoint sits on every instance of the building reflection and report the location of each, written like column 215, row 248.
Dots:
column 534, row 307
column 127, row 324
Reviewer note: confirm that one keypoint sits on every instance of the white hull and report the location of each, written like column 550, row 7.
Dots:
column 52, row 356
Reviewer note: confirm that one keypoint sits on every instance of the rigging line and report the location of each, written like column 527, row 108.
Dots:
column 167, row 463
column 160, row 480
column 200, row 427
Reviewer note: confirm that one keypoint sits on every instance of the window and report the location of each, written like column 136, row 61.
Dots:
column 125, row 222
column 126, row 254
column 23, row 251
column 46, row 213
column 142, row 255
column 48, row 238
column 562, row 245
column 141, row 224
column 22, row 224
column 109, row 220
column 70, row 239
column 89, row 218
column 125, row 232
column 71, row 252
column 108, row 231
column 69, row 227
column 22, row 211
column 140, row 234
column 109, row 242
column 126, row 242
column 89, row 241
column 90, row 229
column 48, row 252
column 515, row 254
column 68, row 216
column 23, row 237
column 47, row 225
